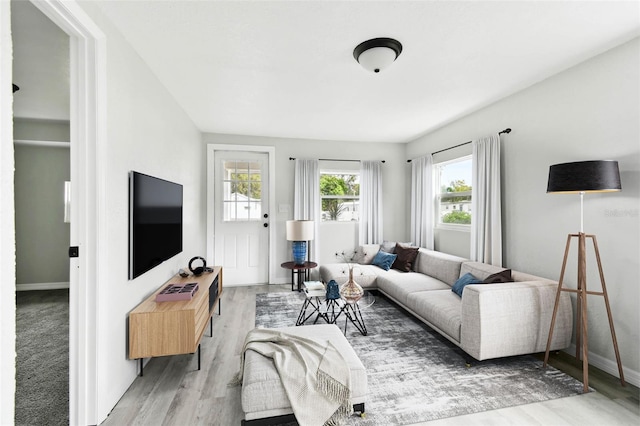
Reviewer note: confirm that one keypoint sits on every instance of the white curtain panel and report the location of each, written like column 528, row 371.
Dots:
column 486, row 222
column 306, row 198
column 370, row 202
column 422, row 203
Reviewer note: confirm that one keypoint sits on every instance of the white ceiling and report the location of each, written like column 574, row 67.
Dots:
column 286, row 68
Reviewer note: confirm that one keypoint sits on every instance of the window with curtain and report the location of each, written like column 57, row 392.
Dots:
column 454, row 193
column 340, row 196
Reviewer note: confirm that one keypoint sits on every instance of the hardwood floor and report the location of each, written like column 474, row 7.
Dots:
column 174, row 392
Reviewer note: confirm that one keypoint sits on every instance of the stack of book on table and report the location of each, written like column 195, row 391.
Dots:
column 314, row 289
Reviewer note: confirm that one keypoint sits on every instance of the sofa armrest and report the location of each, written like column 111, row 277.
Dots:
column 513, row 319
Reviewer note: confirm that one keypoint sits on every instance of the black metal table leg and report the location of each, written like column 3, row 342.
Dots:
column 211, row 326
column 141, row 367
column 353, row 313
column 303, row 317
column 198, row 357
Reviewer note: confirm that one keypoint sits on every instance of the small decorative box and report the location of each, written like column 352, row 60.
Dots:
column 175, row 292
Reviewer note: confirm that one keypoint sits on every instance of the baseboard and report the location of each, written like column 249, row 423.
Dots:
column 42, row 286
column 609, row 366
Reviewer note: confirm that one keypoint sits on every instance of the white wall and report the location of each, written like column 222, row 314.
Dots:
column 7, row 227
column 147, row 132
column 42, row 237
column 588, row 112
column 334, row 236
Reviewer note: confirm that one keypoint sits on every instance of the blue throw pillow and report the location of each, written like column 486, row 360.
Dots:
column 463, row 281
column 384, row 260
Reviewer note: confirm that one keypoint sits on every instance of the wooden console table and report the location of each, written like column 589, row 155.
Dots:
column 172, row 328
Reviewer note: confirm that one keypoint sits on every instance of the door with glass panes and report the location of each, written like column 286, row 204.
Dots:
column 241, row 239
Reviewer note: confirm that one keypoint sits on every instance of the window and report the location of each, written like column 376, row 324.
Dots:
column 242, row 191
column 453, row 180
column 340, row 196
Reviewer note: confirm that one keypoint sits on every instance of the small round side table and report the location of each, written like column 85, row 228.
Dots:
column 302, row 271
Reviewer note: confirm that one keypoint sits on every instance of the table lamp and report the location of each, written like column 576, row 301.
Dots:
column 300, row 231
column 579, row 178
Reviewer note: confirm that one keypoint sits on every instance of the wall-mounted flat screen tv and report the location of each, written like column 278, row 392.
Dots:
column 155, row 222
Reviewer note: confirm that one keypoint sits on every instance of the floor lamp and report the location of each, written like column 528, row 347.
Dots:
column 579, row 178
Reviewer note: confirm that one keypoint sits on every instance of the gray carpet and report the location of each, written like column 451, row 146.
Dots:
column 42, row 365
column 415, row 375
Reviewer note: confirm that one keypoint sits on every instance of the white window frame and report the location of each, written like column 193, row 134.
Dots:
column 343, row 197
column 437, row 175
column 228, row 200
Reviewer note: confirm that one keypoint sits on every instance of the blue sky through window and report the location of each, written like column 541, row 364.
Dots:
column 455, row 171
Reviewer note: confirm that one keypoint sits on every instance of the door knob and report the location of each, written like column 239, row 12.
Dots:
column 265, row 225
column 265, row 215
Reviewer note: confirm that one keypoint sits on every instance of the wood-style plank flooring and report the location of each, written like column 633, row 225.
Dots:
column 174, row 392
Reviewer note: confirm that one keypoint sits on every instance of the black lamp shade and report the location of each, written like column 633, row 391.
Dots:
column 584, row 176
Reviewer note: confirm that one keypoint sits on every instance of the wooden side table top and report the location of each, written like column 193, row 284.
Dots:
column 305, row 265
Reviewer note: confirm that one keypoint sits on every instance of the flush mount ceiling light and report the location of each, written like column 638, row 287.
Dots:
column 378, row 53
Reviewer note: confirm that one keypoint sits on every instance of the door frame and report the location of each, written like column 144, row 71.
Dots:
column 87, row 68
column 211, row 211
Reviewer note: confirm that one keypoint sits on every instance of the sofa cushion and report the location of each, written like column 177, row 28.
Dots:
column 384, row 260
column 406, row 258
column 441, row 308
column 399, row 285
column 445, row 267
column 367, row 253
column 464, row 281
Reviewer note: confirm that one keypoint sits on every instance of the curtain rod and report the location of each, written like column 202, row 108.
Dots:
column 507, row 130
column 335, row 159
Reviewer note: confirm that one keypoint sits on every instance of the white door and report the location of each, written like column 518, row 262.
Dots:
column 241, row 210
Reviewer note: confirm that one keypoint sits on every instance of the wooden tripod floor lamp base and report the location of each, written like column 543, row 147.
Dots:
column 582, row 348
column 581, row 177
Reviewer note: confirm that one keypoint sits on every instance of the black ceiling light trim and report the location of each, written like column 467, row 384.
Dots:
column 387, row 42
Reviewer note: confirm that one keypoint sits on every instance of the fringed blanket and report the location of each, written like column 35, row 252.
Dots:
column 314, row 375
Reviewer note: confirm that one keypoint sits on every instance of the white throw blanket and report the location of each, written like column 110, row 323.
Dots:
column 314, row 375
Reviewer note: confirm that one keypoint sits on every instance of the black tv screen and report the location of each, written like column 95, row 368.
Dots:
column 155, row 222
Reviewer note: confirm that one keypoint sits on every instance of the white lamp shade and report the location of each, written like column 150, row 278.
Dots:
column 300, row 230
column 377, row 58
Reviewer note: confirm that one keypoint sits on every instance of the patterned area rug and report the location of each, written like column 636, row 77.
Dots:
column 415, row 375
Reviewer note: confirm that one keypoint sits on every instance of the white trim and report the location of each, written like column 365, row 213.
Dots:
column 608, row 366
column 7, row 224
column 460, row 227
column 88, row 144
column 270, row 151
column 42, row 286
column 48, row 144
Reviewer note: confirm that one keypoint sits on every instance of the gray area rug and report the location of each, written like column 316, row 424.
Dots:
column 415, row 375
column 42, row 364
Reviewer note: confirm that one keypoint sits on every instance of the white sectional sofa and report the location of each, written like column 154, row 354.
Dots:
column 487, row 321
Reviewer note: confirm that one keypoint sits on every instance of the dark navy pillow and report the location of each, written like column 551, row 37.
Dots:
column 463, row 281
column 384, row 260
